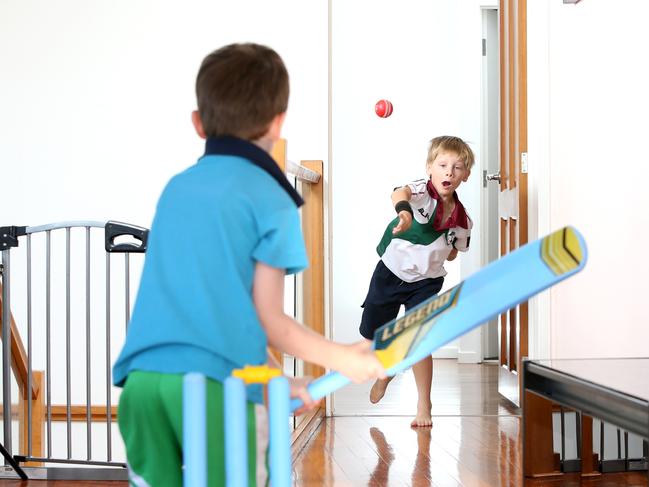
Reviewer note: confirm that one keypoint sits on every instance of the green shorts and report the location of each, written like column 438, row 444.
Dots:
column 150, row 420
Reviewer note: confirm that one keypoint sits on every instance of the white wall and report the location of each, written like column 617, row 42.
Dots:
column 426, row 59
column 589, row 102
column 96, row 96
column 95, row 102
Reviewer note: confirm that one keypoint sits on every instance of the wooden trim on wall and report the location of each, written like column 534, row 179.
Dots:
column 313, row 278
column 513, row 312
column 521, row 143
column 504, row 350
column 59, row 412
column 78, row 413
column 18, row 354
column 503, row 105
column 279, row 153
column 522, row 123
column 511, row 94
column 302, row 433
column 37, row 420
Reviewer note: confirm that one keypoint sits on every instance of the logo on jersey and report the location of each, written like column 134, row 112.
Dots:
column 451, row 238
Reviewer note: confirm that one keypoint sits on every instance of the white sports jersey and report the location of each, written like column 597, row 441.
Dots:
column 420, row 252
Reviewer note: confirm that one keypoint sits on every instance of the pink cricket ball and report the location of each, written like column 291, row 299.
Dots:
column 383, row 108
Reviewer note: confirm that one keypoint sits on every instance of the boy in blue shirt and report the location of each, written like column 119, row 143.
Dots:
column 225, row 233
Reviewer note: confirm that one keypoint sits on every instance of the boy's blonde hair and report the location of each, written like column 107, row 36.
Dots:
column 449, row 143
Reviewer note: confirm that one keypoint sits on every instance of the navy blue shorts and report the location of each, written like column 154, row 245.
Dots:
column 386, row 295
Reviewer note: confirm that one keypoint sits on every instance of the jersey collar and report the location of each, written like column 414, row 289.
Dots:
column 234, row 146
column 457, row 219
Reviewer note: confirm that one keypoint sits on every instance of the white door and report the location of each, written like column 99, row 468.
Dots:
column 490, row 166
column 512, row 200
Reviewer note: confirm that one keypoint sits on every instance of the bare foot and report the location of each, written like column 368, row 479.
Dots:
column 423, row 418
column 378, row 389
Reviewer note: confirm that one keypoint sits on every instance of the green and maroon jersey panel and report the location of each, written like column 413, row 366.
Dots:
column 420, row 252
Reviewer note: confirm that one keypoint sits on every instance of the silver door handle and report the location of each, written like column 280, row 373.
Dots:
column 492, row 177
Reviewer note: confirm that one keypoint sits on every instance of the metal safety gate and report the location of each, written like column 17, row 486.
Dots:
column 66, row 302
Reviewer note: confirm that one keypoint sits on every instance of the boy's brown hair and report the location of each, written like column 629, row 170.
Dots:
column 240, row 88
column 449, row 143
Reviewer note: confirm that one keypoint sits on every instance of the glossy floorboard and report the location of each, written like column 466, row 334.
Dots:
column 474, row 442
column 457, row 451
column 458, row 390
column 475, row 438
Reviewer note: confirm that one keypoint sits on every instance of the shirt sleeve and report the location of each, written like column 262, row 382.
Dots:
column 418, row 191
column 281, row 244
column 463, row 237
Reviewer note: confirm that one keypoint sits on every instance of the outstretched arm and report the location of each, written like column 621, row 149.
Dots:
column 405, row 217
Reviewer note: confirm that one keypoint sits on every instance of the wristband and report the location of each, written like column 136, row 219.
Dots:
column 403, row 205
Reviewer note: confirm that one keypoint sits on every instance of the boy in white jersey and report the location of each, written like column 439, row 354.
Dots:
column 431, row 227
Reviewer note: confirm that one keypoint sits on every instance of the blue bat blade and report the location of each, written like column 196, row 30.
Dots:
column 492, row 290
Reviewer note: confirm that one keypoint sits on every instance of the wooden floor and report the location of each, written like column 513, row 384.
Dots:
column 475, row 439
column 458, row 390
column 474, row 442
column 458, row 451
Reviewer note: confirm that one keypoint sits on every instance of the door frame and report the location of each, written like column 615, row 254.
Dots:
column 489, row 147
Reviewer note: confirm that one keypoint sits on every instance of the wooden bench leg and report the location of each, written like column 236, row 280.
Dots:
column 539, row 459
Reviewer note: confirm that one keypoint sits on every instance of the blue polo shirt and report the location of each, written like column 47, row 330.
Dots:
column 194, row 310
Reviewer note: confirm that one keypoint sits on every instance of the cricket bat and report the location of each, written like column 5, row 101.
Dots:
column 497, row 287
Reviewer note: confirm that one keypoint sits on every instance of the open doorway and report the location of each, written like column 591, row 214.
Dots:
column 489, row 143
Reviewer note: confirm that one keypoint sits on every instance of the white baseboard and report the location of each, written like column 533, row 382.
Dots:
column 446, row 352
column 469, row 358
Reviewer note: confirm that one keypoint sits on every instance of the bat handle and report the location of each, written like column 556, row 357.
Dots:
column 319, row 388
